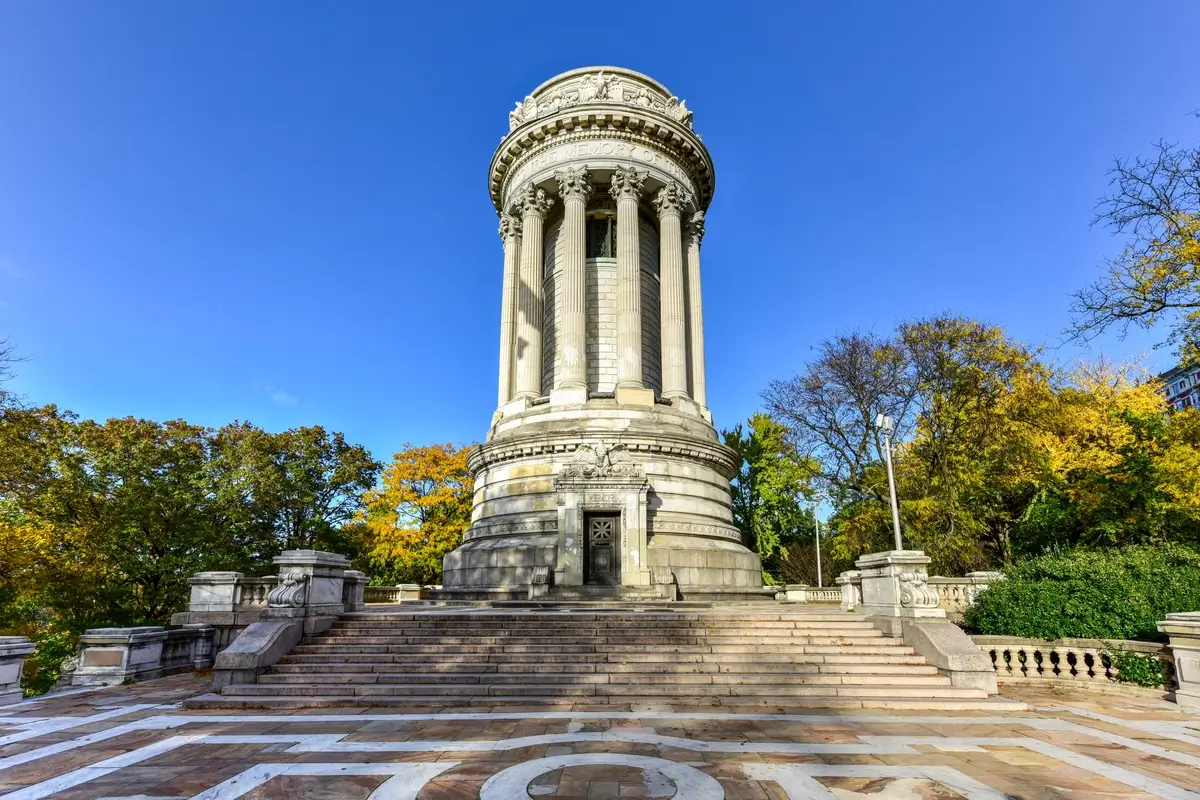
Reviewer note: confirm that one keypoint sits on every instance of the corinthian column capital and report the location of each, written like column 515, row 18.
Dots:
column 695, row 228
column 510, row 227
column 574, row 182
column 534, row 201
column 671, row 199
column 627, row 182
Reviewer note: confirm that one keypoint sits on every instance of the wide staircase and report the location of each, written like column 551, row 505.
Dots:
column 505, row 658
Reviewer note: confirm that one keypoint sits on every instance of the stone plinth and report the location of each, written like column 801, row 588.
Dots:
column 894, row 584
column 13, row 650
column 213, row 591
column 1184, row 632
column 354, row 583
column 110, row 656
column 310, row 588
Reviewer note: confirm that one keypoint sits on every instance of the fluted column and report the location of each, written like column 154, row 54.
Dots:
column 695, row 311
column 510, row 234
column 672, row 315
column 533, row 204
column 626, row 189
column 574, row 187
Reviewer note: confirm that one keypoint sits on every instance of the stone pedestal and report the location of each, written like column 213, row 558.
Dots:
column 13, row 650
column 354, row 583
column 851, row 583
column 213, row 591
column 309, row 590
column 110, row 656
column 894, row 584
column 1184, row 630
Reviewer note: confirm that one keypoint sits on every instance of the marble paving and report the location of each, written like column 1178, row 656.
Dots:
column 135, row 742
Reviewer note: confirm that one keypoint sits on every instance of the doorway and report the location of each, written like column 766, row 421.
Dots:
column 601, row 553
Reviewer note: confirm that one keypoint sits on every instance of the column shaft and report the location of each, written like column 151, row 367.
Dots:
column 626, row 189
column 534, row 205
column 510, row 233
column 673, row 323
column 574, row 190
column 695, row 309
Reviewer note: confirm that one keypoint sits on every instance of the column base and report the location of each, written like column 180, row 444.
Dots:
column 634, row 396
column 569, row 396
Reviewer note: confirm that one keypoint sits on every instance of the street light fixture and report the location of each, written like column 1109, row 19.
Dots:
column 817, row 533
column 887, row 426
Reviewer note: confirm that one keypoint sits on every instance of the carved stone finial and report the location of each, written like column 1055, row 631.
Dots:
column 574, row 182
column 677, row 109
column 695, row 227
column 510, row 226
column 627, row 182
column 534, row 201
column 671, row 199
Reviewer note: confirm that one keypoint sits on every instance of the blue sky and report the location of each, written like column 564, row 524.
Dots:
column 277, row 211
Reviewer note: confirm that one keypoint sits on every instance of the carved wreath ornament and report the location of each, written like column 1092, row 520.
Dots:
column 598, row 87
column 290, row 592
column 599, row 460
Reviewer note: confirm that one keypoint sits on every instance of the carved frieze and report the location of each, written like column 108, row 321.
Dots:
column 599, row 87
column 600, row 460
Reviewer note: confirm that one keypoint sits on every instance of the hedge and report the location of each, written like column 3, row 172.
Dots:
column 1117, row 593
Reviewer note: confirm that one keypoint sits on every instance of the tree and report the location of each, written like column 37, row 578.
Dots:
column 770, row 489
column 830, row 409
column 292, row 490
column 419, row 513
column 1155, row 203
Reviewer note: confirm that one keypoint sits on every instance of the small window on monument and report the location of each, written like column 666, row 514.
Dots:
column 602, row 237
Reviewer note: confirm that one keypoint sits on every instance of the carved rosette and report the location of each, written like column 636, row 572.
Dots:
column 915, row 591
column 694, row 229
column 670, row 199
column 510, row 227
column 627, row 182
column 574, row 183
column 534, row 201
column 291, row 591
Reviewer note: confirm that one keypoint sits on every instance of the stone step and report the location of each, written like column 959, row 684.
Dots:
column 569, row 678
column 436, row 623
column 599, row 689
column 730, row 704
column 362, row 641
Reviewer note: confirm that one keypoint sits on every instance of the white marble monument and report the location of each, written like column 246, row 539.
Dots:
column 602, row 461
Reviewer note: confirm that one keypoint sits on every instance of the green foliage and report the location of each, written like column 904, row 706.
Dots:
column 54, row 645
column 1142, row 669
column 770, row 489
column 1115, row 593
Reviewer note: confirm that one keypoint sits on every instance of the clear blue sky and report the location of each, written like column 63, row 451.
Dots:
column 277, row 211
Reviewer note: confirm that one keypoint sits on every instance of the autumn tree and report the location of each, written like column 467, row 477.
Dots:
column 419, row 513
column 1155, row 205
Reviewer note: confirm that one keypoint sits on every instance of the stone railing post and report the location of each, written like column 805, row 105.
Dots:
column 13, row 650
column 310, row 588
column 851, row 583
column 109, row 656
column 796, row 592
column 354, row 584
column 1184, row 632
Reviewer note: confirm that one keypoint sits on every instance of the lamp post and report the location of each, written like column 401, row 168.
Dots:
column 887, row 426
column 817, row 533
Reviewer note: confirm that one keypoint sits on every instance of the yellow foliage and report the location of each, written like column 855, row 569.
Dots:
column 419, row 512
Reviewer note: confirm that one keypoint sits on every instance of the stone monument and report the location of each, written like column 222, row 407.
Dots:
column 602, row 466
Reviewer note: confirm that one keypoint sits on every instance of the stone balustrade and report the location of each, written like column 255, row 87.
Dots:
column 396, row 594
column 13, row 650
column 111, row 656
column 803, row 593
column 252, row 592
column 1076, row 661
column 954, row 595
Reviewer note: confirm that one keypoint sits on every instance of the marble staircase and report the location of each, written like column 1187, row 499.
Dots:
column 589, row 657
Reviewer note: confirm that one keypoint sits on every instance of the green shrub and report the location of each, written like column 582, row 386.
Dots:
column 1142, row 669
column 1118, row 593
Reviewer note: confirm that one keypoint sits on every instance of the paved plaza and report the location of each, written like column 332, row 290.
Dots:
column 137, row 742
